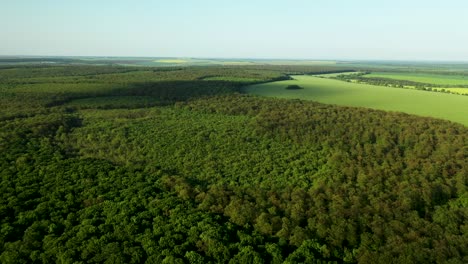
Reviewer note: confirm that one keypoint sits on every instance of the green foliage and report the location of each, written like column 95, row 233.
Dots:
column 128, row 174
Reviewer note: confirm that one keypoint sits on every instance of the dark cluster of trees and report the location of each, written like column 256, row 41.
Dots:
column 293, row 87
column 228, row 178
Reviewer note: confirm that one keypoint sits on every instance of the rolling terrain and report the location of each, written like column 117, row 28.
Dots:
column 423, row 103
column 113, row 164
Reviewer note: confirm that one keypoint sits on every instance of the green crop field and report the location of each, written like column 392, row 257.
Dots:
column 433, row 104
column 437, row 79
column 332, row 75
column 455, row 90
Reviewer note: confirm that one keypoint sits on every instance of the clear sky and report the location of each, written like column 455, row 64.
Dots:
column 301, row 29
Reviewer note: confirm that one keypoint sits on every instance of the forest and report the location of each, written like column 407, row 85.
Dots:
column 114, row 164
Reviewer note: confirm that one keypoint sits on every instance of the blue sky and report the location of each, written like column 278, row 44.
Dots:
column 299, row 29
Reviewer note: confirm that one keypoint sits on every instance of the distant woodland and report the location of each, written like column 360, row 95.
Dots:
column 110, row 164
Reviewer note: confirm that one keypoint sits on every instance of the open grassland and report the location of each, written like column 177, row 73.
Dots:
column 333, row 75
column 439, row 105
column 436, row 79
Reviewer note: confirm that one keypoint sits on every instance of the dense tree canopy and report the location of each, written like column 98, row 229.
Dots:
column 134, row 165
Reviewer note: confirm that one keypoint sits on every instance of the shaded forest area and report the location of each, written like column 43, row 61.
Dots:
column 173, row 165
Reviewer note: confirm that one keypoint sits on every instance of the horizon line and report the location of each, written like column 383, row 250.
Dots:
column 234, row 58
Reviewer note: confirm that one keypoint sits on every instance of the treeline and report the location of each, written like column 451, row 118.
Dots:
column 361, row 78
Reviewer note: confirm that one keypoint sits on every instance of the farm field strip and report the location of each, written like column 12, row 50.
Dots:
column 436, row 79
column 332, row 75
column 431, row 104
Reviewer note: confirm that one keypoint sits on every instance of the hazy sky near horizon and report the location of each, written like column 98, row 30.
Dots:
column 301, row 29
